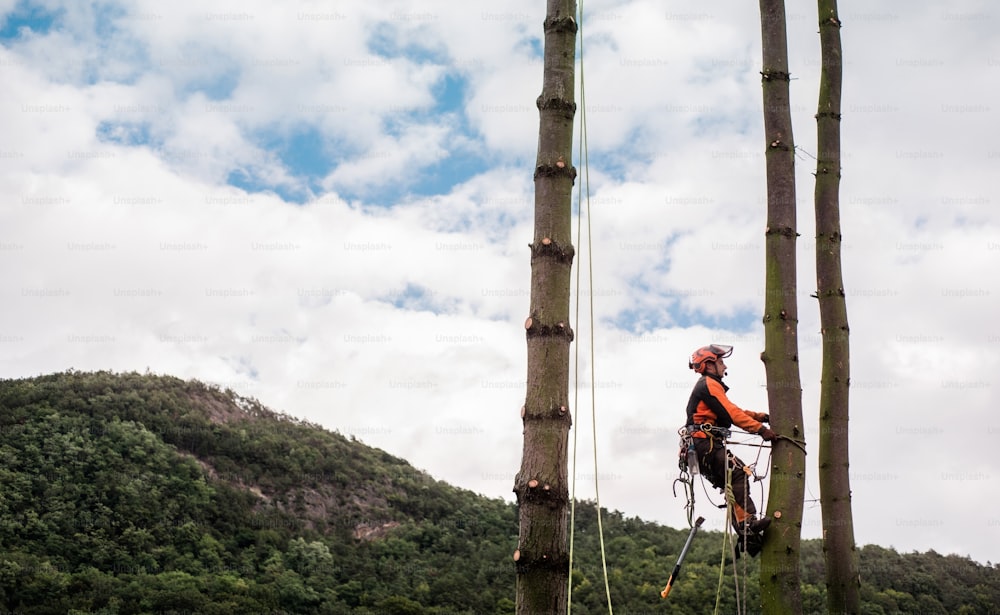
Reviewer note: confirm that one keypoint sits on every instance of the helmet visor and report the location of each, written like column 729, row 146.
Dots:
column 721, row 350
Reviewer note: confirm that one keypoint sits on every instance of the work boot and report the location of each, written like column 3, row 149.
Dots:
column 753, row 525
column 754, row 543
column 757, row 526
column 750, row 536
column 751, row 544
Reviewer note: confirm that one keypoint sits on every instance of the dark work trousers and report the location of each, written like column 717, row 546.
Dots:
column 712, row 461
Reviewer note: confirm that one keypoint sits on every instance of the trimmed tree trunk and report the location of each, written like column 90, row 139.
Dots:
column 542, row 486
column 842, row 581
column 779, row 567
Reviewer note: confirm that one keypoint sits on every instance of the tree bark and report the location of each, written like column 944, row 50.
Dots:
column 541, row 485
column 839, row 550
column 779, row 571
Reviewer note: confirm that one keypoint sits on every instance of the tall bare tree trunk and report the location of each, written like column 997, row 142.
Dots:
column 779, row 568
column 542, row 486
column 842, row 581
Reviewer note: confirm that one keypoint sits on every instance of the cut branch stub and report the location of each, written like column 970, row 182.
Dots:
column 560, row 24
column 557, row 413
column 534, row 328
column 560, row 106
column 525, row 561
column 771, row 75
column 544, row 494
column 828, row 114
column 562, row 413
column 784, row 231
column 549, row 248
column 553, row 170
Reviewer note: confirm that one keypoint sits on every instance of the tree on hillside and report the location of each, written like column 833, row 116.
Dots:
column 135, row 523
column 541, row 485
column 843, row 583
column 779, row 569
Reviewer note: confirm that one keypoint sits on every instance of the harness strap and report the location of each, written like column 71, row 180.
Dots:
column 709, row 430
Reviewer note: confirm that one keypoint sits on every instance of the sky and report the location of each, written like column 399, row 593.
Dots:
column 328, row 206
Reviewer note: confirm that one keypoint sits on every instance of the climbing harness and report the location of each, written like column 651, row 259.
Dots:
column 689, row 467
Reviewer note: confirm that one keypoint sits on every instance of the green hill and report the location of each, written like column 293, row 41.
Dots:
column 130, row 493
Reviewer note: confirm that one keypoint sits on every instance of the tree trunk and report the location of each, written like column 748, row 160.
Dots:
column 842, row 581
column 779, row 569
column 542, row 486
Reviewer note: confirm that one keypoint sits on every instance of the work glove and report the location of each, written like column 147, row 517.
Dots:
column 765, row 433
column 765, row 418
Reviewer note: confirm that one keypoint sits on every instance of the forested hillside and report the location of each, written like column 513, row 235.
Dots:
column 130, row 493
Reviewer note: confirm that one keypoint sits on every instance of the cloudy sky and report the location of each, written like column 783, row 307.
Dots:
column 327, row 206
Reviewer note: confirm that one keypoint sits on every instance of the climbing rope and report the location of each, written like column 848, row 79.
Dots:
column 583, row 195
column 726, row 536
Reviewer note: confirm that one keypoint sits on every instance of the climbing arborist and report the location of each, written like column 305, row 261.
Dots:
column 710, row 414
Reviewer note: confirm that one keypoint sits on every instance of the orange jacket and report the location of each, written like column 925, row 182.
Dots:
column 709, row 404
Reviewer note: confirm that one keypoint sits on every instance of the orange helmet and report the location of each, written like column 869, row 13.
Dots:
column 708, row 354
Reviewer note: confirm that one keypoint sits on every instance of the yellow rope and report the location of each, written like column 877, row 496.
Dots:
column 730, row 500
column 583, row 195
column 729, row 537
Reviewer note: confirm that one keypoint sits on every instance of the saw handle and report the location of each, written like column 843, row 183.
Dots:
column 680, row 559
column 670, row 581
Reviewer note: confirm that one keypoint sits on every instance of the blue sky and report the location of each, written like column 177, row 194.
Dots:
column 26, row 16
column 306, row 151
column 329, row 209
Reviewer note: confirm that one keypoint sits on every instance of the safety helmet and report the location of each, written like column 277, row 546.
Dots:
column 708, row 354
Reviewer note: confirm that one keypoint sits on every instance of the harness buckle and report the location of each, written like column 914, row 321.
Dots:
column 712, row 431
